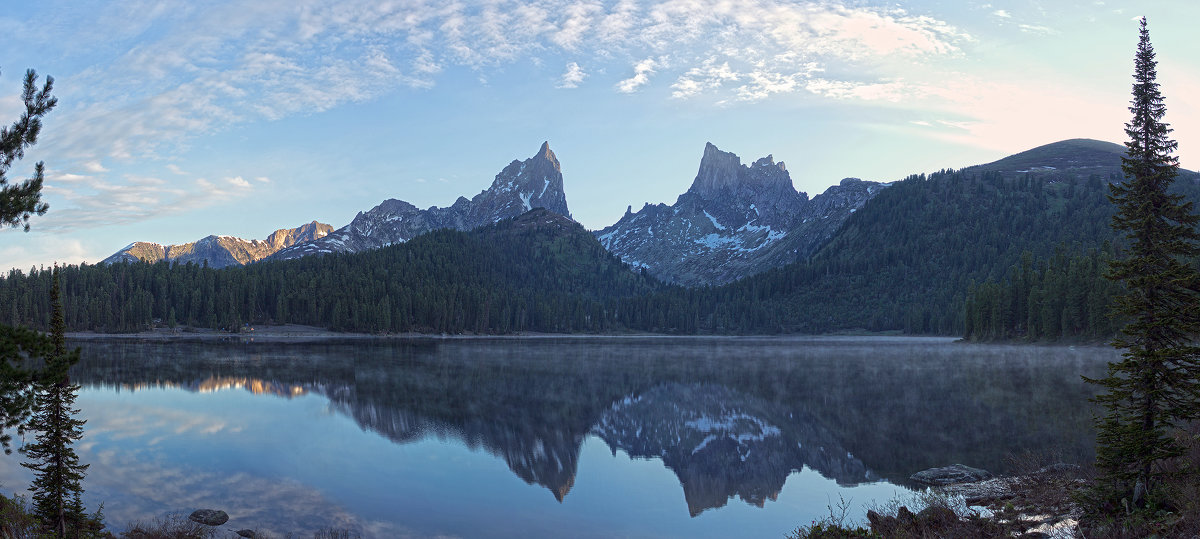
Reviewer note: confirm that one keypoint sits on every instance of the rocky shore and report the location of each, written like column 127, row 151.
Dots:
column 1036, row 504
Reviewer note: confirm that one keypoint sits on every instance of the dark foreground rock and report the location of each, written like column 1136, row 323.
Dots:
column 249, row 534
column 983, row 492
column 949, row 475
column 209, row 517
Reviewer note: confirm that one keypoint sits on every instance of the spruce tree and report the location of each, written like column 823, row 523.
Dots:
column 58, row 472
column 1156, row 384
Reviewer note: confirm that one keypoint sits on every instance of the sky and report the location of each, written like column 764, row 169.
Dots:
column 179, row 119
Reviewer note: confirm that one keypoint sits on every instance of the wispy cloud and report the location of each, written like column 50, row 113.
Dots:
column 572, row 77
column 93, row 200
column 94, row 167
column 641, row 75
column 893, row 91
column 35, row 249
column 1037, row 29
column 231, row 62
column 238, row 182
column 705, row 77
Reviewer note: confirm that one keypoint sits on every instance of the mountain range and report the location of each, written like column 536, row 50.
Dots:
column 904, row 257
column 734, row 221
column 536, row 182
column 221, row 251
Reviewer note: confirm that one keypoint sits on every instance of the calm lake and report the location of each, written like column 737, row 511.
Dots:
column 556, row 437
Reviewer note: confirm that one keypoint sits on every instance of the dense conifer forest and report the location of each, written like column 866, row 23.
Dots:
column 1061, row 297
column 538, row 272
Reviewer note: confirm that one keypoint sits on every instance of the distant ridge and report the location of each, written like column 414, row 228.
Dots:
column 1072, row 154
column 220, row 251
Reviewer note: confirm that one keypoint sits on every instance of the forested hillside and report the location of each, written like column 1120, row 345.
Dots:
column 907, row 259
column 536, row 272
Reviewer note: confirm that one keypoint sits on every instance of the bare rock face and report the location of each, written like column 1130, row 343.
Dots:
column 221, row 251
column 536, row 182
column 734, row 221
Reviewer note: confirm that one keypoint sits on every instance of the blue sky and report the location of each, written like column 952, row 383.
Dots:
column 178, row 119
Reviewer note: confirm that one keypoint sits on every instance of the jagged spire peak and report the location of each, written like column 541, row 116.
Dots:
column 546, row 154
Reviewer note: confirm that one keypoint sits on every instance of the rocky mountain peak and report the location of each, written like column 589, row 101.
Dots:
column 718, row 171
column 734, row 220
column 286, row 237
column 546, row 154
column 536, row 182
column 769, row 161
column 722, row 174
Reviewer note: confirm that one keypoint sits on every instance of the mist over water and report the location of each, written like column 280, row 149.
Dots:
column 558, row 436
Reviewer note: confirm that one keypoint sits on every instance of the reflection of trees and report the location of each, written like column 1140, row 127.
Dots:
column 897, row 408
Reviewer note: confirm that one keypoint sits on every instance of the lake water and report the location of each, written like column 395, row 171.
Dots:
column 557, row 437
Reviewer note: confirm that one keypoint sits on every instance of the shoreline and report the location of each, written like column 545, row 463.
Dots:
column 297, row 333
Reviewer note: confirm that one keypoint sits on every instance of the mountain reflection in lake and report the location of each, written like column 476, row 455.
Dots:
column 643, row 437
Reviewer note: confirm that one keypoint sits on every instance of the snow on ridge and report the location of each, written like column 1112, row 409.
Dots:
column 525, row 200
column 716, row 241
column 707, row 439
column 731, row 422
column 714, row 220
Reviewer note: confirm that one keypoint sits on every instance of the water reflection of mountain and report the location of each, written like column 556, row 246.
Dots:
column 729, row 417
column 538, row 454
column 721, row 443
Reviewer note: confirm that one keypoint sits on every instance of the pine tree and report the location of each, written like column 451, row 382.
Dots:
column 56, row 485
column 18, row 203
column 21, row 201
column 1156, row 384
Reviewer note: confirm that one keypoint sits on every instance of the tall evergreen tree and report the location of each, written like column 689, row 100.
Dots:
column 18, row 202
column 1156, row 384
column 56, row 485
